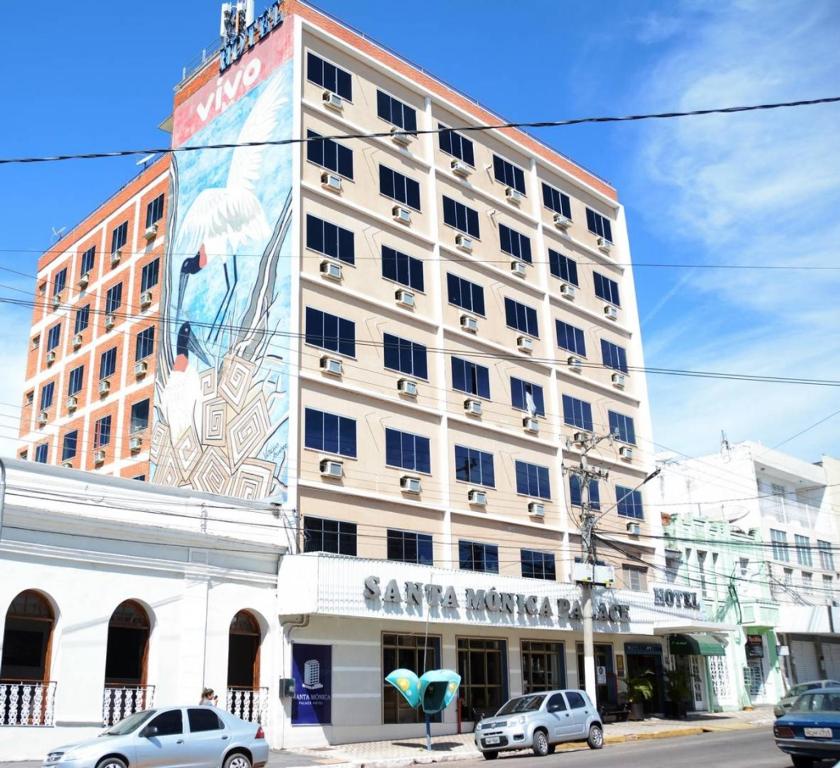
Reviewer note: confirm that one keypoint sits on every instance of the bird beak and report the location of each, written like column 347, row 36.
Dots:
column 182, row 287
column 196, row 349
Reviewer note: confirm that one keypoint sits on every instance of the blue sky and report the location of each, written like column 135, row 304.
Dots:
column 762, row 188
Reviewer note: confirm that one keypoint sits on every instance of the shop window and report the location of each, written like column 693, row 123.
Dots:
column 482, row 664
column 413, row 652
column 543, row 666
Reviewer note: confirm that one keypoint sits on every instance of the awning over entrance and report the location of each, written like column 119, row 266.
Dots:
column 696, row 645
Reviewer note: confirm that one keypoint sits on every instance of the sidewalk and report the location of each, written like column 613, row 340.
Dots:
column 395, row 754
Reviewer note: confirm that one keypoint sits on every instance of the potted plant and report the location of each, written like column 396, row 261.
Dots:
column 678, row 689
column 639, row 690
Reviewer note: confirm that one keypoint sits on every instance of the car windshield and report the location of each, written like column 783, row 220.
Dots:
column 522, row 704
column 816, row 701
column 130, row 723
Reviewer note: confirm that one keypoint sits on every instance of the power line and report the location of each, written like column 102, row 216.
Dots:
column 807, row 429
column 420, row 132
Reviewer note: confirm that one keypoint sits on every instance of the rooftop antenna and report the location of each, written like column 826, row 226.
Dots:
column 226, row 23
column 144, row 161
column 57, row 233
column 724, row 445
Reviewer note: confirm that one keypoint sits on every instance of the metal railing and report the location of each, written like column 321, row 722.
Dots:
column 120, row 701
column 247, row 703
column 27, row 703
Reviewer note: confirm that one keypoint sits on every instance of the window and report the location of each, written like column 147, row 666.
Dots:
column 482, row 665
column 102, row 432
column 788, row 578
column 563, row 267
column 402, row 269
column 41, row 453
column 598, row 224
column 108, row 363
column 203, row 718
column 803, row 549
column 47, row 393
column 508, row 174
column 329, row 76
column 30, row 397
column 474, row 466
column 405, row 356
column 743, row 566
column 527, row 396
column 330, row 433
column 470, row 378
column 395, row 112
column 330, row 239
column 537, row 565
column 140, row 416
column 113, row 299
column 807, row 582
column 398, row 187
column 828, row 586
column 456, row 145
column 532, row 480
column 330, row 332
column 329, row 154
column 149, row 275
column 53, row 336
column 60, row 281
column 408, row 451
column 88, row 258
column 464, row 294
column 555, row 200
column 629, row 502
column 634, row 578
column 82, row 319
column 613, row 356
column 36, row 341
column 410, row 547
column 621, row 427
column 521, row 317
column 672, row 566
column 69, row 445
column 577, row 413
column 576, row 497
column 321, row 535
column 780, row 549
column 606, row 289
column 514, row 243
column 144, row 345
column 154, row 211
column 76, row 380
column 168, row 723
column 701, row 567
column 119, row 237
column 544, row 669
column 461, row 217
column 474, row 556
column 826, row 556
column 409, row 652
column 570, row 338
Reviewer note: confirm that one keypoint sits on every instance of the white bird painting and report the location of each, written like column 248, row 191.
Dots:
column 181, row 398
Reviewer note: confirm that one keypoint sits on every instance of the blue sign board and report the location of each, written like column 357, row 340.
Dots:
column 312, row 671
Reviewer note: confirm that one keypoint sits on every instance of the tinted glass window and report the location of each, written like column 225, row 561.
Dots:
column 329, row 76
column 405, row 356
column 410, row 547
column 519, row 395
column 474, row 466
column 606, row 289
column 395, row 112
column 330, row 239
column 463, row 293
column 399, row 187
column 329, row 432
column 402, row 268
column 556, row 703
column 403, row 449
column 168, row 723
column 598, row 224
column 204, row 719
column 456, row 145
column 555, row 200
column 514, row 243
column 563, row 267
column 470, row 378
column 329, row 154
column 461, row 217
column 508, row 174
column 330, row 332
column 521, row 317
column 575, row 700
column 570, row 338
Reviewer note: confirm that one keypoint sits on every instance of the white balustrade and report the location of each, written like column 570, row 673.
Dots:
column 118, row 702
column 27, row 703
column 247, row 703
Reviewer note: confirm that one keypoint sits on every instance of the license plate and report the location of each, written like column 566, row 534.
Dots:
column 492, row 740
column 818, row 733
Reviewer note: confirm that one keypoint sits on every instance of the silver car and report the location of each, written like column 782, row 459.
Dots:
column 785, row 703
column 169, row 737
column 539, row 721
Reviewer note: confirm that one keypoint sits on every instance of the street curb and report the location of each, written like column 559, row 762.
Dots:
column 669, row 734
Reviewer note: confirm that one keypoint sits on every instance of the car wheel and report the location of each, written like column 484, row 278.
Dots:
column 596, row 737
column 541, row 745
column 112, row 762
column 551, row 748
column 237, row 760
column 490, row 755
column 800, row 761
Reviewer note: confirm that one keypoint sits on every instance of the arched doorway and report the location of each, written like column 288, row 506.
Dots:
column 245, row 697
column 26, row 691
column 126, row 663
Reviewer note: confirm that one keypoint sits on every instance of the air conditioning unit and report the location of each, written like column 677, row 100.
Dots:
column 561, row 221
column 536, row 509
column 135, row 443
column 409, row 484
column 146, row 299
column 513, row 195
column 611, row 312
column 72, row 403
column 525, row 344
column 104, row 387
column 43, row 418
column 518, row 268
column 568, row 291
column 407, row 387
column 67, row 464
column 618, row 380
column 477, row 498
column 332, row 100
column 51, row 357
column 332, row 365
column 401, row 214
column 141, row 368
column 469, row 323
column 84, row 280
column 331, row 270
column 634, row 529
column 398, row 136
column 464, row 243
column 405, row 298
column 531, row 424
column 575, row 363
column 331, row 181
column 579, row 437
column 115, row 257
column 472, row 407
column 460, row 168
column 604, row 245
column 110, row 321
column 331, row 468
column 99, row 456
column 626, row 452
column 151, row 232
column 77, row 341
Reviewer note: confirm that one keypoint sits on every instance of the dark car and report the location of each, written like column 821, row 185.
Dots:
column 811, row 729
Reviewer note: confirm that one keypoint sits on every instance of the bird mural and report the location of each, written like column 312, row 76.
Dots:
column 181, row 398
